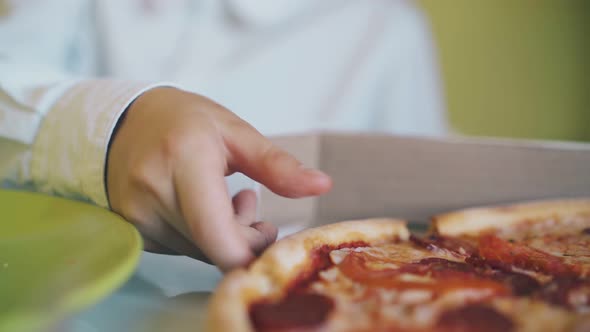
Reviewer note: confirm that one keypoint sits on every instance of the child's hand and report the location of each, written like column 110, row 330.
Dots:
column 166, row 169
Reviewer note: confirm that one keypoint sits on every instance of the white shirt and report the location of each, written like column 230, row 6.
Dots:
column 285, row 66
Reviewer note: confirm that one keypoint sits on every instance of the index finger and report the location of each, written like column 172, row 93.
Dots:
column 206, row 207
column 256, row 156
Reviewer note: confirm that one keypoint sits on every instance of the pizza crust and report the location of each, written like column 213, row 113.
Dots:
column 474, row 221
column 272, row 273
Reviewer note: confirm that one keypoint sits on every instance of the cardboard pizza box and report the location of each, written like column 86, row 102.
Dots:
column 414, row 178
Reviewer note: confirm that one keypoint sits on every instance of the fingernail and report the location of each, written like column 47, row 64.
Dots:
column 314, row 172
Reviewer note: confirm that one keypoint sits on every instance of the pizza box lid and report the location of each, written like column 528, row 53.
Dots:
column 414, row 178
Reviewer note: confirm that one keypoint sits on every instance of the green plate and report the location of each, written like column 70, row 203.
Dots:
column 58, row 257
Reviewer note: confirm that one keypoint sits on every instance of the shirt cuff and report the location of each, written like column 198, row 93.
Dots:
column 70, row 150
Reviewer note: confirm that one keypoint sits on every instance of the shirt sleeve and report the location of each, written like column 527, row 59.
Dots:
column 412, row 99
column 55, row 127
column 54, row 136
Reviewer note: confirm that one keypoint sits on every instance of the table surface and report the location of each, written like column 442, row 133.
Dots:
column 166, row 293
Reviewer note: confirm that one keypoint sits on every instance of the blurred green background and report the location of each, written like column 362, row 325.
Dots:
column 516, row 68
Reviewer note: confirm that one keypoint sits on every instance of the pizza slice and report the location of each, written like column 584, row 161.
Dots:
column 547, row 240
column 373, row 275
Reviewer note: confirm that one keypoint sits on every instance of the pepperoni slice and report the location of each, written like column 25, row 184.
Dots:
column 435, row 243
column 446, row 275
column 320, row 260
column 296, row 311
column 474, row 317
column 503, row 254
column 438, row 267
column 355, row 267
column 520, row 284
column 571, row 293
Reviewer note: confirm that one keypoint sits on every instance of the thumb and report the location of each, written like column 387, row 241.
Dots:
column 256, row 156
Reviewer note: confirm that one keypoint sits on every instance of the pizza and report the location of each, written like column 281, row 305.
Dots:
column 524, row 267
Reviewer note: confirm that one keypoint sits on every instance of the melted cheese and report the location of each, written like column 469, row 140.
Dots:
column 361, row 306
column 535, row 316
column 554, row 225
column 560, row 237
